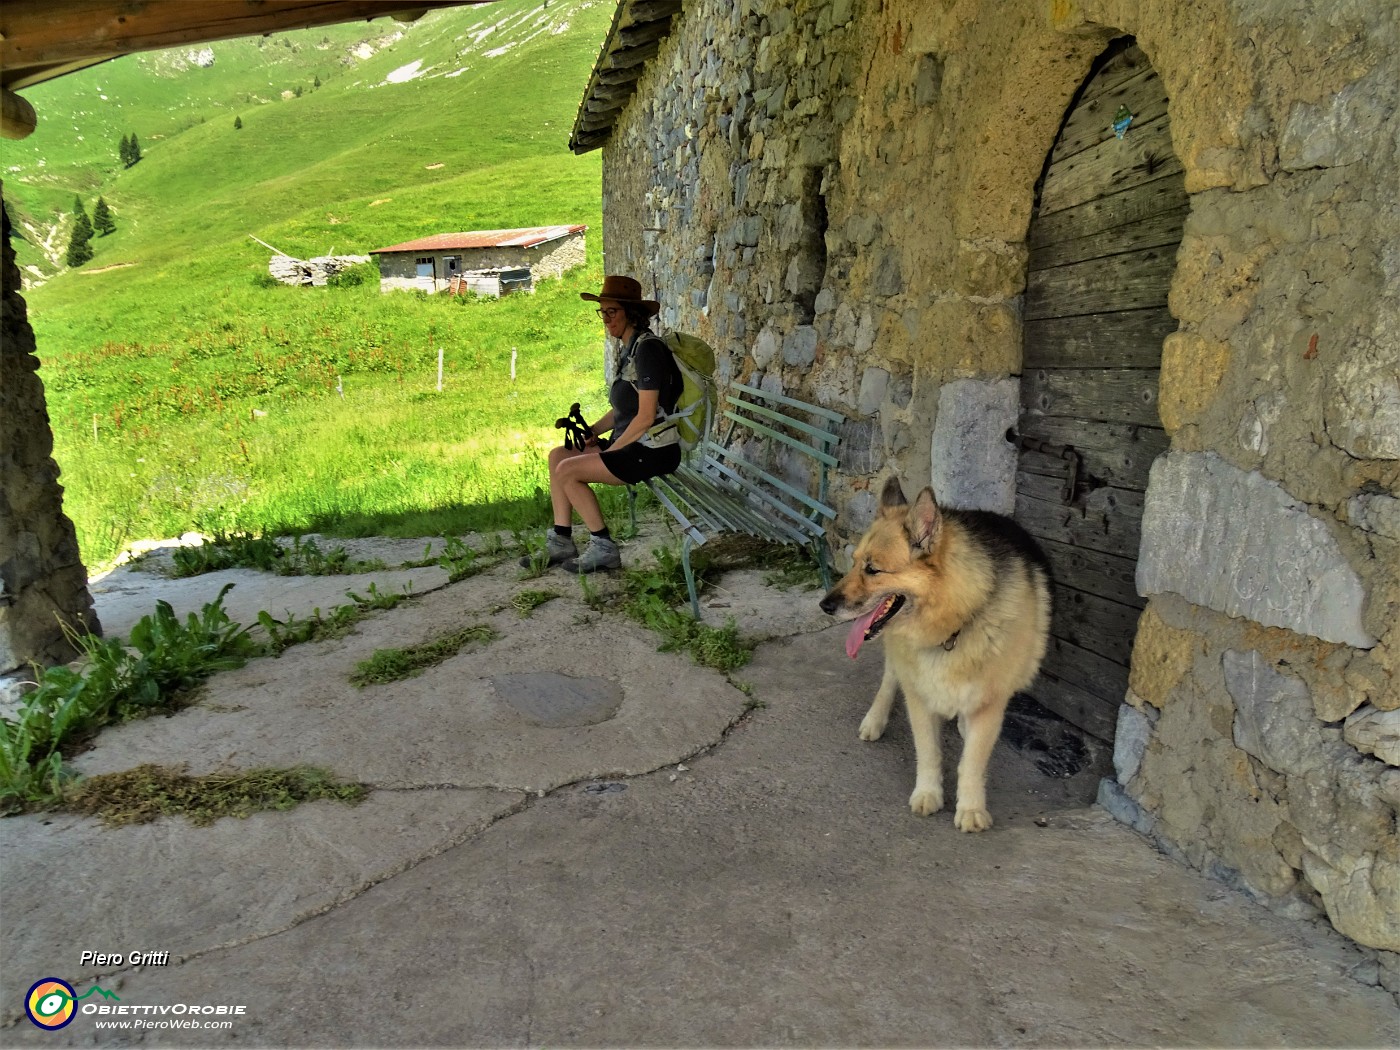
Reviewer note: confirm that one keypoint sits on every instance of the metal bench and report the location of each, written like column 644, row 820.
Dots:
column 728, row 485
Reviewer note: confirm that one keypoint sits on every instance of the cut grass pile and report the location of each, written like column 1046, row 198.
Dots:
column 140, row 795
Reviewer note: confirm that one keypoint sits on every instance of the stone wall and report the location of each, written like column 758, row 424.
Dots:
column 836, row 194
column 43, row 584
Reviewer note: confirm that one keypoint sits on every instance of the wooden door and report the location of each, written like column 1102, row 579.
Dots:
column 1103, row 239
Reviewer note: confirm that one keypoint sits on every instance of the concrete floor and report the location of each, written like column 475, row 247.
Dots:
column 672, row 859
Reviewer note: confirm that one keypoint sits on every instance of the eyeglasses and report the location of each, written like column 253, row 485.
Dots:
column 608, row 313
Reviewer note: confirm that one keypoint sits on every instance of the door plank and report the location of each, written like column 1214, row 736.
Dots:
column 1125, row 65
column 1094, row 572
column 1132, row 281
column 1089, row 527
column 1077, row 706
column 1103, row 627
column 1104, row 213
column 1116, row 395
column 1155, row 231
column 1123, row 339
column 1117, row 454
column 1103, row 678
column 1109, row 167
column 1092, row 120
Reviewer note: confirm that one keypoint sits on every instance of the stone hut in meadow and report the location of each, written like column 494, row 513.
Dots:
column 1129, row 272
column 488, row 262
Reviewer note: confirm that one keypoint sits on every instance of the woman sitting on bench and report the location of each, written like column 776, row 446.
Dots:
column 645, row 391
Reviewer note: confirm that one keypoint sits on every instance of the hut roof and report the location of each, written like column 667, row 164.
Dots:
column 529, row 237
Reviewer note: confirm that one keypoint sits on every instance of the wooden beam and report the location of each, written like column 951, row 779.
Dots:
column 40, row 39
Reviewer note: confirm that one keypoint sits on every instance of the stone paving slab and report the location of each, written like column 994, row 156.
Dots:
column 449, row 725
column 69, row 880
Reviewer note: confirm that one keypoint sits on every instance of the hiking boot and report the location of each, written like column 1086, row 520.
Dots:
column 599, row 554
column 558, row 548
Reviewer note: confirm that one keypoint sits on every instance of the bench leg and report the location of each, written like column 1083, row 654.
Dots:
column 823, row 564
column 632, row 506
column 690, row 577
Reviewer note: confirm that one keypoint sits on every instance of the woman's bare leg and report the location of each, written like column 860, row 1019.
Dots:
column 570, row 477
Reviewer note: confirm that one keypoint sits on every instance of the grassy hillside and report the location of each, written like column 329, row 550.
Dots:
column 184, row 392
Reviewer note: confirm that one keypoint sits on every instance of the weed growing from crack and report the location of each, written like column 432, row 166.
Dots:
column 283, row 634
column 526, row 602
column 651, row 596
column 140, row 795
column 392, row 665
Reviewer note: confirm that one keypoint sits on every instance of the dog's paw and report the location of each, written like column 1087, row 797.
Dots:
column 972, row 819
column 926, row 801
column 872, row 726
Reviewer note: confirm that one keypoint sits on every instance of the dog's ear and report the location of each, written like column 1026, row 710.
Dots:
column 892, row 501
column 925, row 521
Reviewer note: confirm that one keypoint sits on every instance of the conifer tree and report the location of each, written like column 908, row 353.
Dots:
column 237, row 123
column 135, row 149
column 80, row 247
column 125, row 151
column 316, row 81
column 102, row 220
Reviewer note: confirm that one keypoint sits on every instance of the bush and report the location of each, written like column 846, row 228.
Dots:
column 352, row 276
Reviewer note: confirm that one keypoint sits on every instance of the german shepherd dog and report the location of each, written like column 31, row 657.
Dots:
column 962, row 602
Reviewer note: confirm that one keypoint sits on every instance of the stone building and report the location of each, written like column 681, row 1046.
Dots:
column 1126, row 271
column 484, row 261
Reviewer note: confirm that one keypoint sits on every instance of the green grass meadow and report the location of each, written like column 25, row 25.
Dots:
column 185, row 393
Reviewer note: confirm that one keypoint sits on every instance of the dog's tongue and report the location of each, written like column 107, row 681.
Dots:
column 856, row 638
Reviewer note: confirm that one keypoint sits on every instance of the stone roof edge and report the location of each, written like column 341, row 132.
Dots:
column 638, row 27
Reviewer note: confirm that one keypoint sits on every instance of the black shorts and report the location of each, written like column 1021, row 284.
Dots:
column 636, row 462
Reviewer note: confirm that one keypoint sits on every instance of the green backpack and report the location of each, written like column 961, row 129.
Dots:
column 696, row 404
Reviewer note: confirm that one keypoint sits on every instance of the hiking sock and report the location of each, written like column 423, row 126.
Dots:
column 601, row 534
column 567, row 531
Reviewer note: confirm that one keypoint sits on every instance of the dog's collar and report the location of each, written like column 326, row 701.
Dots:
column 952, row 640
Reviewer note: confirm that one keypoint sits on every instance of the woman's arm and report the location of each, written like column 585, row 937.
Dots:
column 605, row 424
column 644, row 420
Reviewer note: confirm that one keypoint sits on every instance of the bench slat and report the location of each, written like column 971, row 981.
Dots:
column 834, row 417
column 749, row 489
column 726, row 455
column 736, row 513
column 720, row 509
column 826, row 437
column 792, row 442
column 687, row 526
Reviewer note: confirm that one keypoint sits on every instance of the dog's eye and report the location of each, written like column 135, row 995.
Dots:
column 870, row 570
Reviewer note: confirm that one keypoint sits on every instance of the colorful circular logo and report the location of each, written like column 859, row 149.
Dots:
column 49, row 1003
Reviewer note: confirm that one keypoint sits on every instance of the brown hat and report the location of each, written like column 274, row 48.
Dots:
column 623, row 290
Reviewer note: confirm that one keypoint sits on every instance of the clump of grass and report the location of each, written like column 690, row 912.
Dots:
column 526, row 602
column 459, row 560
column 243, row 551
column 318, row 627
column 163, row 661
column 392, row 665
column 140, row 795
column 652, row 596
